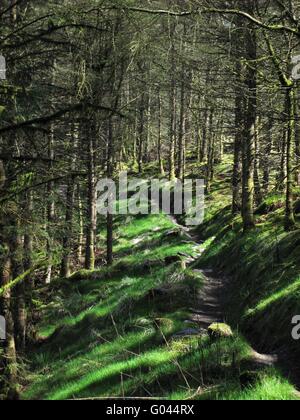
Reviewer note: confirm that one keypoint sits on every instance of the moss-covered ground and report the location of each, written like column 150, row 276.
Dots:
column 118, row 331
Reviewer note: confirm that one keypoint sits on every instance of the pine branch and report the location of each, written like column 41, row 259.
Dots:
column 22, row 277
column 57, row 115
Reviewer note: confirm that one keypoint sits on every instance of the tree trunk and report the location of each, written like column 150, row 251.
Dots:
column 159, row 138
column 289, row 211
column 67, row 239
column 50, row 205
column 205, row 122
column 266, row 160
column 210, row 153
column 239, row 118
column 297, row 134
column 28, row 247
column 257, row 185
column 148, row 132
column 141, row 134
column 81, row 228
column 282, row 174
column 172, row 130
column 10, row 371
column 91, row 205
column 250, row 124
column 203, row 153
column 110, row 170
column 16, row 250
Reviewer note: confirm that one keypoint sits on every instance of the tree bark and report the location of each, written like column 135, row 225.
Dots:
column 141, row 134
column 257, row 183
column 28, row 246
column 16, row 250
column 239, row 118
column 91, row 204
column 266, row 159
column 172, row 130
column 210, row 153
column 297, row 133
column 67, row 239
column 50, row 206
column 289, row 211
column 10, row 368
column 250, row 124
column 110, row 170
column 159, row 138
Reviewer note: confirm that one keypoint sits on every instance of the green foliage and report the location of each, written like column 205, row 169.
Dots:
column 113, row 332
column 264, row 267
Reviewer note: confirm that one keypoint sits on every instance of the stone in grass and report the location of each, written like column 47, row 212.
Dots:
column 219, row 330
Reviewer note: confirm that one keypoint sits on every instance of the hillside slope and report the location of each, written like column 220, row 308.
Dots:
column 128, row 330
column 263, row 266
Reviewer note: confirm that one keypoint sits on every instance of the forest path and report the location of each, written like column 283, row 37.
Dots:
column 212, row 297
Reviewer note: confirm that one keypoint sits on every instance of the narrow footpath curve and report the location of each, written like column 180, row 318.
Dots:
column 211, row 302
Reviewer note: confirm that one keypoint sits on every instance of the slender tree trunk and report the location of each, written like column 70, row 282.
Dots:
column 28, row 246
column 135, row 141
column 250, row 124
column 110, row 170
column 91, row 205
column 172, row 145
column 141, row 134
column 289, row 211
column 16, row 250
column 50, row 206
column 172, row 130
column 210, row 153
column 10, row 371
column 159, row 138
column 67, row 239
column 10, row 368
column 239, row 118
column 282, row 174
column 266, row 160
column 297, row 134
column 203, row 153
column 257, row 185
column 148, row 132
column 81, row 228
column 181, row 134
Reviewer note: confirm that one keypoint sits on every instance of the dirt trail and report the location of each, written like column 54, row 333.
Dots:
column 212, row 298
column 210, row 304
column 210, row 307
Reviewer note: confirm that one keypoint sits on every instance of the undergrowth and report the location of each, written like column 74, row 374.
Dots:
column 120, row 330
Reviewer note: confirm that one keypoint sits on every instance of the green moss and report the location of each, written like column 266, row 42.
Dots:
column 220, row 331
column 112, row 331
